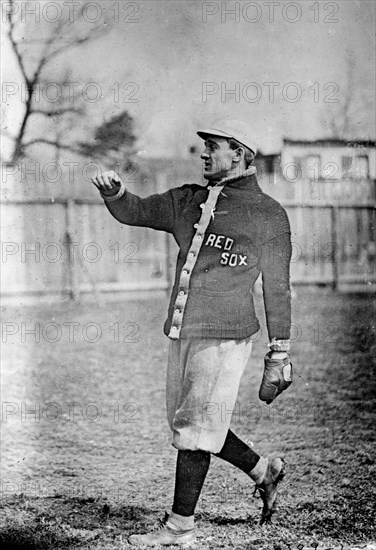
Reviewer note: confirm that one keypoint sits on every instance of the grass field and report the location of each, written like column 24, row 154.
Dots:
column 87, row 459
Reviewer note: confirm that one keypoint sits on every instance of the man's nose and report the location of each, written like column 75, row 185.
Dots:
column 204, row 154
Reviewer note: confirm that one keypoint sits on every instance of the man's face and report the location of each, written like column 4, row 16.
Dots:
column 217, row 157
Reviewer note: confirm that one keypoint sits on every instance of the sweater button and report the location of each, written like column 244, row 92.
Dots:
column 185, row 272
column 195, row 225
column 210, row 187
column 177, row 310
column 181, row 293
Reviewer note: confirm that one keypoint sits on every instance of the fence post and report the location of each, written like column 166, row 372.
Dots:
column 72, row 273
column 334, row 237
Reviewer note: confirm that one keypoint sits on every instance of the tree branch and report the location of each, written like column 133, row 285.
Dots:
column 64, row 36
column 53, row 143
column 15, row 44
column 77, row 42
column 58, row 112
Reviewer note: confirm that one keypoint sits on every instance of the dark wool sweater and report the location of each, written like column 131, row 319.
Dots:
column 245, row 232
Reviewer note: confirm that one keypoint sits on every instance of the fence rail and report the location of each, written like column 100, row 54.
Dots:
column 70, row 247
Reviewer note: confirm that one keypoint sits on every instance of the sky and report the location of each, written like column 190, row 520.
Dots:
column 175, row 63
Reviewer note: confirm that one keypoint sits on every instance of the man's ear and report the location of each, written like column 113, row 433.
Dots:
column 239, row 154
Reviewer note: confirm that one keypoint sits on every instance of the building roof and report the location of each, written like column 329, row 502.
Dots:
column 330, row 142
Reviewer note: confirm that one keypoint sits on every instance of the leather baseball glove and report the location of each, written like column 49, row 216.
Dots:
column 277, row 375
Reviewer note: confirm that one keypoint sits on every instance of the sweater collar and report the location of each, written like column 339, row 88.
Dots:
column 247, row 178
column 249, row 172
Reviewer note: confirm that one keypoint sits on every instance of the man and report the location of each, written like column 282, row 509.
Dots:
column 227, row 233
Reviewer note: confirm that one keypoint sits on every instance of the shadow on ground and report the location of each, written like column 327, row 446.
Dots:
column 62, row 523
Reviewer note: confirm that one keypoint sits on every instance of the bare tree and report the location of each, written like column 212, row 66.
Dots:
column 113, row 142
column 35, row 56
column 348, row 118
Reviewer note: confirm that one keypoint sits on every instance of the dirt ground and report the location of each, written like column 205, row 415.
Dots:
column 86, row 453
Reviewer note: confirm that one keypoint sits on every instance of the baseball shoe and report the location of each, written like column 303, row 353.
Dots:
column 268, row 489
column 165, row 535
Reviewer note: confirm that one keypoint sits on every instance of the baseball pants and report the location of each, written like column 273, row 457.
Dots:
column 203, row 377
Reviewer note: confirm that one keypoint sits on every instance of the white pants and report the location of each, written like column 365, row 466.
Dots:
column 203, row 377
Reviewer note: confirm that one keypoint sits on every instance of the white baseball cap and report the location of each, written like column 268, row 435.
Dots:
column 235, row 129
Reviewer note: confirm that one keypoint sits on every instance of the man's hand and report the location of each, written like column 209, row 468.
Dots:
column 107, row 183
column 277, row 375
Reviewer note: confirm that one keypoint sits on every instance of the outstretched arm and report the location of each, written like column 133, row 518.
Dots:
column 156, row 211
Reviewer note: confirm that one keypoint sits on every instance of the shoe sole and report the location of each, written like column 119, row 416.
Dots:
column 188, row 544
column 172, row 545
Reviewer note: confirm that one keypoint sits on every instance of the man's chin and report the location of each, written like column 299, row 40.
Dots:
column 212, row 176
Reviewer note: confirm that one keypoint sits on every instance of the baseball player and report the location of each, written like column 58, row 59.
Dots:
column 228, row 232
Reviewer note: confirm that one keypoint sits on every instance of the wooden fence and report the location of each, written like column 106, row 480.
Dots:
column 72, row 247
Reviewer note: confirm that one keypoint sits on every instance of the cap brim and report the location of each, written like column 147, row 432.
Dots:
column 213, row 132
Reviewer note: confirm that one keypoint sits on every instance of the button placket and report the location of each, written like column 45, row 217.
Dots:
column 185, row 275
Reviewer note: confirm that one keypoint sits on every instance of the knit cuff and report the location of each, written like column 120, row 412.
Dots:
column 259, row 471
column 113, row 198
column 184, row 523
column 279, row 345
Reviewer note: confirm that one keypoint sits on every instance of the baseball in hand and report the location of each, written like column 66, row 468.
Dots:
column 107, row 183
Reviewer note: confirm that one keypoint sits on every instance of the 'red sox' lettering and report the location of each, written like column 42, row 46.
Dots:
column 221, row 241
